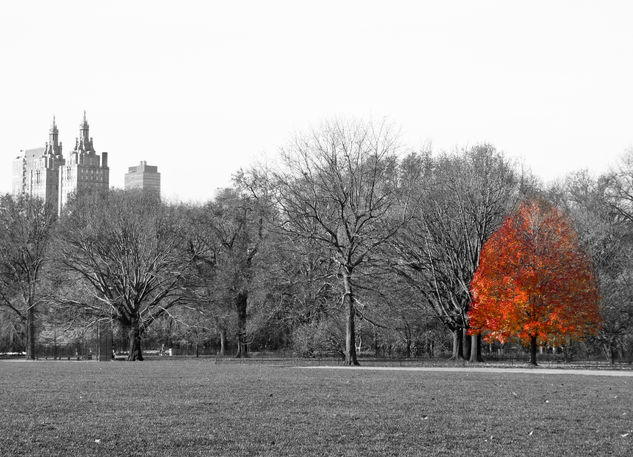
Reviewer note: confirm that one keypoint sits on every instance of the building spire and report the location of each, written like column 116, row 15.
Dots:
column 84, row 123
column 53, row 146
column 54, row 126
column 84, row 142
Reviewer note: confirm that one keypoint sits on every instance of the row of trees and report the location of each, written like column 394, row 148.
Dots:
column 351, row 239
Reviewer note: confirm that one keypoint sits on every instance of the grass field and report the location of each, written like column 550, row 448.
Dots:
column 195, row 407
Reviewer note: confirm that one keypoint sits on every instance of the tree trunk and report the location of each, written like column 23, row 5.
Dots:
column 612, row 354
column 168, row 338
column 134, row 341
column 241, row 302
column 466, row 344
column 222, row 342
column 533, row 350
column 376, row 343
column 475, row 349
column 350, row 333
column 30, row 333
column 458, row 348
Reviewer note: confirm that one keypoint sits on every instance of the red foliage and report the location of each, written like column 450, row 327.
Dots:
column 534, row 280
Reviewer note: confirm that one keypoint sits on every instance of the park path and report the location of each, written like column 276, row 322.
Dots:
column 623, row 373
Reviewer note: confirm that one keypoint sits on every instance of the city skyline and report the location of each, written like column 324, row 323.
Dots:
column 52, row 176
column 203, row 90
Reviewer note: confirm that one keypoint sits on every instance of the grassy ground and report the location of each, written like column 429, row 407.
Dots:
column 195, row 407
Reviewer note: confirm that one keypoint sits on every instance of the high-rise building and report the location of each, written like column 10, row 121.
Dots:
column 84, row 169
column 143, row 176
column 36, row 171
column 45, row 173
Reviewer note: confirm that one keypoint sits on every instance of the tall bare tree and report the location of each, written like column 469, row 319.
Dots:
column 26, row 228
column 603, row 211
column 460, row 200
column 339, row 187
column 226, row 239
column 127, row 249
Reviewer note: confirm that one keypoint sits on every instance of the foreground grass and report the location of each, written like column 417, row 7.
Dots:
column 194, row 407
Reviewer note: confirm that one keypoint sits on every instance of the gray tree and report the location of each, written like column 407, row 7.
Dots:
column 126, row 248
column 26, row 230
column 603, row 212
column 460, row 199
column 226, row 239
column 338, row 187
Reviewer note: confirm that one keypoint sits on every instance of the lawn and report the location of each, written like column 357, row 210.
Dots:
column 195, row 407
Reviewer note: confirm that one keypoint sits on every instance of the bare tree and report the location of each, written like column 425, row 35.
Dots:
column 460, row 199
column 339, row 187
column 225, row 239
column 603, row 212
column 26, row 226
column 127, row 249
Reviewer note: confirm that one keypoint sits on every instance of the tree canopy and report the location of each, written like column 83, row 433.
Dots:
column 534, row 283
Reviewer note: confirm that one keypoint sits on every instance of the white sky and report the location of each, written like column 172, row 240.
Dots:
column 203, row 88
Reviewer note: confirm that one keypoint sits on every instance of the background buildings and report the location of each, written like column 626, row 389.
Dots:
column 45, row 173
column 143, row 176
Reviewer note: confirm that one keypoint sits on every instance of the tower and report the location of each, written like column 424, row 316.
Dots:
column 145, row 177
column 84, row 169
column 36, row 171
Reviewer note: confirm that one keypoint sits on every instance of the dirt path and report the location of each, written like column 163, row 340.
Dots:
column 624, row 373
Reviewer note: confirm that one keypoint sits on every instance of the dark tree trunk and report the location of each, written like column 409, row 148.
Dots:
column 376, row 343
column 458, row 348
column 134, row 341
column 241, row 302
column 350, row 333
column 466, row 344
column 533, row 350
column 168, row 337
column 222, row 342
column 475, row 349
column 612, row 355
column 30, row 333
column 429, row 348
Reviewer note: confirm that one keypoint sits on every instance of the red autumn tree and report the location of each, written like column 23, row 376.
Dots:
column 534, row 283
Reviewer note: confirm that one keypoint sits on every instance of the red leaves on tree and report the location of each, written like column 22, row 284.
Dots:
column 534, row 280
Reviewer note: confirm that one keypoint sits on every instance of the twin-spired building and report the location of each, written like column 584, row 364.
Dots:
column 47, row 174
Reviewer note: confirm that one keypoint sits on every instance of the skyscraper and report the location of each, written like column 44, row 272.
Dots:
column 143, row 176
column 36, row 171
column 84, row 169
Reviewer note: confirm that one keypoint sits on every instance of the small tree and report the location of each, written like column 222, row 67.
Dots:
column 534, row 283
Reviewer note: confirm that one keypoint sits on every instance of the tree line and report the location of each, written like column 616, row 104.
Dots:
column 351, row 244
